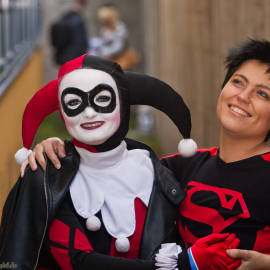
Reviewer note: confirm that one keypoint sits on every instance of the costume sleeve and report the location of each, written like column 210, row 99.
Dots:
column 175, row 163
column 71, row 250
column 21, row 228
column 8, row 215
column 172, row 256
column 183, row 260
column 170, row 161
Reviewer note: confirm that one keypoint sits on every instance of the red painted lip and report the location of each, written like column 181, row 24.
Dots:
column 238, row 114
column 92, row 125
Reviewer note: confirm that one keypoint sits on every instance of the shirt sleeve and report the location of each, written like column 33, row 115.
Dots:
column 72, row 250
column 175, row 164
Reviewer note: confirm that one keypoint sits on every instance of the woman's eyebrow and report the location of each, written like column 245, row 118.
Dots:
column 263, row 86
column 257, row 85
column 242, row 76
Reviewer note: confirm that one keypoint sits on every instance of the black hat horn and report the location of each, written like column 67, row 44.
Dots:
column 146, row 90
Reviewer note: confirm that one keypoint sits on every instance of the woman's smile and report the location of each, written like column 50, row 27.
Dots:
column 92, row 125
column 238, row 111
column 244, row 105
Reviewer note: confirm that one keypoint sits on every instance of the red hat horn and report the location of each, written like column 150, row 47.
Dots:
column 44, row 102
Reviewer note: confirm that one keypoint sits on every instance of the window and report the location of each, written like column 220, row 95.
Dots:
column 20, row 25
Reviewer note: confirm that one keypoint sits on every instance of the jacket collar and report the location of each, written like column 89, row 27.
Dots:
column 58, row 181
column 162, row 214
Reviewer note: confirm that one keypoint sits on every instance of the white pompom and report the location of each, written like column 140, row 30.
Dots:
column 122, row 244
column 22, row 155
column 187, row 147
column 93, row 223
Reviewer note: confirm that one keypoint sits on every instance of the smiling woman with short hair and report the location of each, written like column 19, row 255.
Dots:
column 228, row 186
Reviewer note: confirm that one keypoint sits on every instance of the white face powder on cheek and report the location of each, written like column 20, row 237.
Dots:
column 89, row 126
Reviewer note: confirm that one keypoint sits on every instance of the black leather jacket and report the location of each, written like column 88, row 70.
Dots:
column 34, row 200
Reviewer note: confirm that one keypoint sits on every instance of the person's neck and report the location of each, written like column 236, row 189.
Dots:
column 233, row 148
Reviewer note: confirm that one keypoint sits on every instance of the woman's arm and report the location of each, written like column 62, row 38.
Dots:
column 53, row 147
column 251, row 260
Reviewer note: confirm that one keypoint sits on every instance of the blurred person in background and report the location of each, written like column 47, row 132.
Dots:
column 68, row 34
column 113, row 40
column 228, row 186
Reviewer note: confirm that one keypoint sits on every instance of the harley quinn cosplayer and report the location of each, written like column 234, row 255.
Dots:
column 111, row 204
column 228, row 187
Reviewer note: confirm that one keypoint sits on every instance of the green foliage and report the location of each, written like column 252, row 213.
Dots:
column 53, row 126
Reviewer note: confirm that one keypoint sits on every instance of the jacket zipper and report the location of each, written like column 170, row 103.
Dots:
column 47, row 215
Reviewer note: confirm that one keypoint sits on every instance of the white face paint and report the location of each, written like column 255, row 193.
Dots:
column 89, row 126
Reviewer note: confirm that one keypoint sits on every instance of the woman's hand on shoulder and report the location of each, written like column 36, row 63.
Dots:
column 251, row 260
column 53, row 147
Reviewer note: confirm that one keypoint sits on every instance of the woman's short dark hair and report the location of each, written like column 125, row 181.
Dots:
column 250, row 49
column 247, row 50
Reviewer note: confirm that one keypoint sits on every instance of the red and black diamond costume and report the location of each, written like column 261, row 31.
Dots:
column 74, row 247
column 224, row 197
column 67, row 239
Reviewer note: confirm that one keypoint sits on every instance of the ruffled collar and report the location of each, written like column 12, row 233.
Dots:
column 110, row 182
column 103, row 160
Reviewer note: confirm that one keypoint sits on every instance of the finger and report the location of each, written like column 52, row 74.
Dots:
column 39, row 156
column 234, row 244
column 234, row 265
column 230, row 239
column 59, row 147
column 22, row 169
column 49, row 150
column 232, row 261
column 215, row 238
column 241, row 254
column 32, row 161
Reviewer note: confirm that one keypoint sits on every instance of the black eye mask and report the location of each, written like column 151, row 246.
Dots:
column 88, row 99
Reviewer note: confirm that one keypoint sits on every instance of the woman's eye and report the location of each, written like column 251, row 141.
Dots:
column 262, row 94
column 73, row 103
column 237, row 82
column 103, row 99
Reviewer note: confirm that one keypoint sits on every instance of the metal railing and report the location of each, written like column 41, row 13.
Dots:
column 20, row 25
